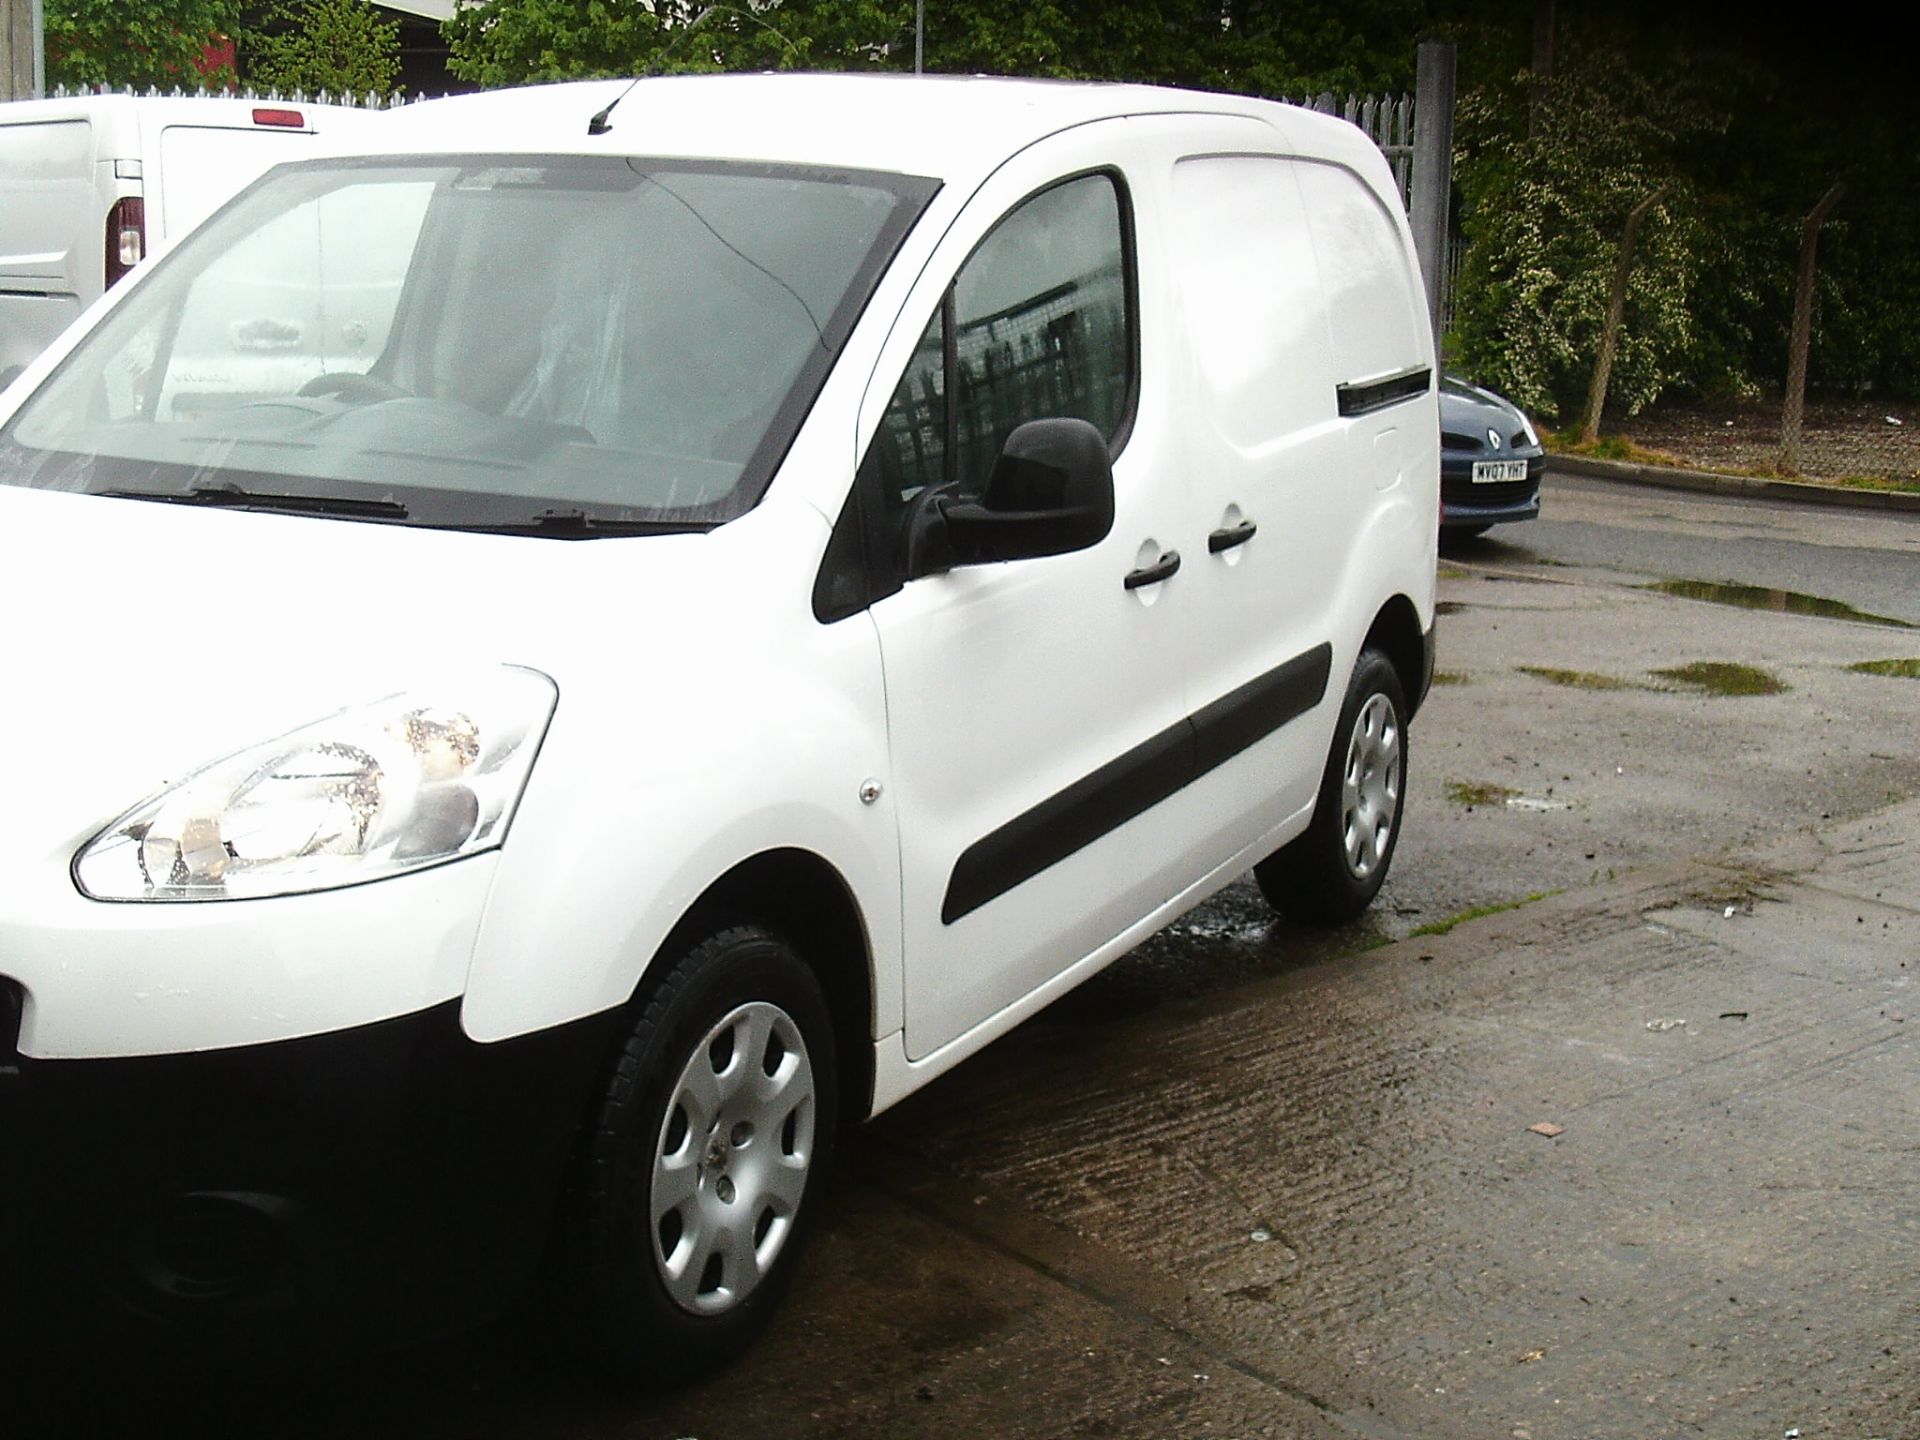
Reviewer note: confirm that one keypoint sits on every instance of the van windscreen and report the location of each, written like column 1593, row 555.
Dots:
column 478, row 343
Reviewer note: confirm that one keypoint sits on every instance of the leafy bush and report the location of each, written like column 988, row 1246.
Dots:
column 343, row 47
column 91, row 43
column 1543, row 215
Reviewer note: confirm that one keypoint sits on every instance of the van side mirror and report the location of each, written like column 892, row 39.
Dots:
column 1050, row 492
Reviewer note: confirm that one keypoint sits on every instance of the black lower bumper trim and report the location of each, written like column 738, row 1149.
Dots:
column 372, row 1185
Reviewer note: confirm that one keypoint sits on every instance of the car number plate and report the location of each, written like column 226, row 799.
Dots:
column 1489, row 472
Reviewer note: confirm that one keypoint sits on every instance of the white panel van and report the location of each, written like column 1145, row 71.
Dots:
column 608, row 631
column 89, row 185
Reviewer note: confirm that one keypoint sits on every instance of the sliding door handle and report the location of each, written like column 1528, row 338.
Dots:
column 1161, row 569
column 1230, row 536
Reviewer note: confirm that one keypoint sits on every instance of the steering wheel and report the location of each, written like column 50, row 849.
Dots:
column 352, row 388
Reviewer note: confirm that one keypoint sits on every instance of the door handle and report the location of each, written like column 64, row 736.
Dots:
column 1230, row 536
column 1153, row 574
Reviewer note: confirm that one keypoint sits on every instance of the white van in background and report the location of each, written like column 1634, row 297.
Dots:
column 90, row 184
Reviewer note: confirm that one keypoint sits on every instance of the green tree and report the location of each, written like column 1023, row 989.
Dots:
column 1258, row 46
column 343, row 47
column 115, row 43
column 506, row 42
column 1544, row 216
column 519, row 42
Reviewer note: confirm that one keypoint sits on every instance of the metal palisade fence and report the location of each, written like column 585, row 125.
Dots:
column 1387, row 120
column 368, row 101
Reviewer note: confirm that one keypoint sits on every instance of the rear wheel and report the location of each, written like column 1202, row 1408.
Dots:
column 1334, row 869
column 702, row 1161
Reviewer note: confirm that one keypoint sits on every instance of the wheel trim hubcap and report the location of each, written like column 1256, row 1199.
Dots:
column 731, row 1163
column 1370, row 793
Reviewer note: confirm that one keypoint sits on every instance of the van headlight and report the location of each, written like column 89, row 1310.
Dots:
column 415, row 779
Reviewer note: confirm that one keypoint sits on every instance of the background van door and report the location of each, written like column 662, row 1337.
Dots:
column 50, row 230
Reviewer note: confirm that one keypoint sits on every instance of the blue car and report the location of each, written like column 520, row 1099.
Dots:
column 1490, row 460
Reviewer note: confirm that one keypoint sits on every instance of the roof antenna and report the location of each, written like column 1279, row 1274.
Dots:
column 600, row 124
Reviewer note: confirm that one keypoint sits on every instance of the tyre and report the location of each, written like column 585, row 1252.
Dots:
column 1334, row 869
column 702, row 1161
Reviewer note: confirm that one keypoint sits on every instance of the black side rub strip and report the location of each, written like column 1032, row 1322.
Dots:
column 1070, row 820
column 1246, row 716
column 1363, row 397
column 1134, row 783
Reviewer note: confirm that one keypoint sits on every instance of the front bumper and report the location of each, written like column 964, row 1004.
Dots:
column 1464, row 503
column 368, row 1185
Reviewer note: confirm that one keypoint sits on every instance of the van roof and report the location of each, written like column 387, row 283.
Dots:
column 940, row 126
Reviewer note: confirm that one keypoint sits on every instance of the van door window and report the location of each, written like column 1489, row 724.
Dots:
column 1038, row 323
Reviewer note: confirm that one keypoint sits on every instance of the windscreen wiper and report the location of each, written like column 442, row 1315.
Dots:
column 225, row 495
column 568, row 522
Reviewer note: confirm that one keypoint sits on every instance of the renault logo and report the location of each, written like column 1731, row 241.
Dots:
column 1493, row 439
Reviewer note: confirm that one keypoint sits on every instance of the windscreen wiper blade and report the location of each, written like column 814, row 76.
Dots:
column 228, row 496
column 567, row 522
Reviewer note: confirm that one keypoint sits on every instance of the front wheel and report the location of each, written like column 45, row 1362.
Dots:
column 1334, row 869
column 702, row 1161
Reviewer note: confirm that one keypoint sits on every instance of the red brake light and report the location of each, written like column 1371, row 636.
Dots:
column 291, row 119
column 126, row 236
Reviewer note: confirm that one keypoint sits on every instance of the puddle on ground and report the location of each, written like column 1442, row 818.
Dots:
column 1715, row 677
column 1759, row 597
column 1231, row 940
column 1724, row 677
column 1903, row 669
column 1579, row 679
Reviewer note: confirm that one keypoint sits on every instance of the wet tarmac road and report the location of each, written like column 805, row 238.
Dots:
column 1257, row 1181
column 1869, row 559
